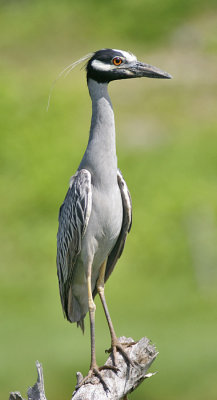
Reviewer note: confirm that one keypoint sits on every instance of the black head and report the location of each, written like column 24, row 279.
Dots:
column 109, row 64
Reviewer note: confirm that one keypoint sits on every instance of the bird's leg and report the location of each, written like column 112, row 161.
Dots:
column 115, row 344
column 94, row 369
column 92, row 309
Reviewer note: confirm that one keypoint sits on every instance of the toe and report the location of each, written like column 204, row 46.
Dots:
column 124, row 354
column 111, row 367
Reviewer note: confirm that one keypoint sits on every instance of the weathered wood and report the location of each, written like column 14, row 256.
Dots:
column 35, row 392
column 128, row 377
column 15, row 396
column 119, row 384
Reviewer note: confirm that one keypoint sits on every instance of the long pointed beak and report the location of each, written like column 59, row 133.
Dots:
column 140, row 69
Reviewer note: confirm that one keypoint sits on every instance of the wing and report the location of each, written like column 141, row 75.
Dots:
column 125, row 229
column 74, row 215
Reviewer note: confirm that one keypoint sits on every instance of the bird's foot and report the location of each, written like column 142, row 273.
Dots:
column 95, row 371
column 118, row 346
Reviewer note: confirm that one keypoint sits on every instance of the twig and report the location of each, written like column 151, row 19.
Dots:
column 35, row 392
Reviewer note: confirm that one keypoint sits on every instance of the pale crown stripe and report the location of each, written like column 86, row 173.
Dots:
column 129, row 56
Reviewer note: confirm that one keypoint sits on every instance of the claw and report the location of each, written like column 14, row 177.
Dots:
column 116, row 345
column 98, row 374
column 96, row 371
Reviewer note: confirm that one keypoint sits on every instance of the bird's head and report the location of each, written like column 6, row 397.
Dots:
column 110, row 64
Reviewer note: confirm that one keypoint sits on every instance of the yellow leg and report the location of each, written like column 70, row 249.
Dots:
column 94, row 369
column 92, row 309
column 115, row 344
column 100, row 289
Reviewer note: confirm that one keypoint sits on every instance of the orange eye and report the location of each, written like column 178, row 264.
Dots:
column 117, row 61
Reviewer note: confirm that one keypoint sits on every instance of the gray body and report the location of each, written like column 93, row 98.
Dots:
column 106, row 189
column 106, row 214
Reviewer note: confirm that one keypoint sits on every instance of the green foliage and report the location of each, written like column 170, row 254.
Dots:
column 165, row 284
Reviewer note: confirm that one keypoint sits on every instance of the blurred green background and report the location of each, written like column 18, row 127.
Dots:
column 165, row 285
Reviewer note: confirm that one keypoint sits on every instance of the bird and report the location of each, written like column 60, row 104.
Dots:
column 96, row 215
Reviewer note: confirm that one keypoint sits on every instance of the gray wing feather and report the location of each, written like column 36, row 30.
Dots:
column 74, row 215
column 125, row 229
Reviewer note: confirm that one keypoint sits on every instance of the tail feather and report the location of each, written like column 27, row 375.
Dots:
column 74, row 313
column 80, row 324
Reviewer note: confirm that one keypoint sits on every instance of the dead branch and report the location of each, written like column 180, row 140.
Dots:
column 119, row 384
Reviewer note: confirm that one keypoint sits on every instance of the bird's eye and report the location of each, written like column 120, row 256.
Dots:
column 117, row 61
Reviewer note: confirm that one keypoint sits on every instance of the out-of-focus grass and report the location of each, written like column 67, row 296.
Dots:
column 165, row 283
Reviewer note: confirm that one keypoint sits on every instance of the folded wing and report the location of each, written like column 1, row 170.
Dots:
column 74, row 215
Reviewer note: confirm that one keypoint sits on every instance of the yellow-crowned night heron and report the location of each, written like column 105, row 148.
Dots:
column 95, row 217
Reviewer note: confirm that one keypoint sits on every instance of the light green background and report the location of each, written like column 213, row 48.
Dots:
column 165, row 284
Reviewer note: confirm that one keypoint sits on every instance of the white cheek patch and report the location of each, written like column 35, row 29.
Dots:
column 101, row 66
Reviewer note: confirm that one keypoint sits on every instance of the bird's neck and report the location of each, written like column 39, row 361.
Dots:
column 100, row 156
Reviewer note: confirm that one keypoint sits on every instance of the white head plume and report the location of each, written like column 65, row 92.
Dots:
column 65, row 72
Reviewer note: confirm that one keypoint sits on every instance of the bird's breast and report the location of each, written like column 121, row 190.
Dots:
column 105, row 222
column 107, row 213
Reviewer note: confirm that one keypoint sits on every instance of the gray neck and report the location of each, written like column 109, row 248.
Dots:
column 100, row 155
